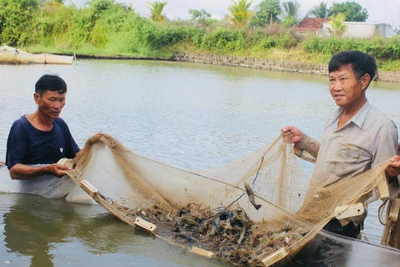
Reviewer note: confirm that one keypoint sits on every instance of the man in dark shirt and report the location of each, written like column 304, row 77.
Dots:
column 38, row 140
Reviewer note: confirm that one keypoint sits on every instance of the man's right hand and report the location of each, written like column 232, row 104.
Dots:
column 57, row 169
column 292, row 134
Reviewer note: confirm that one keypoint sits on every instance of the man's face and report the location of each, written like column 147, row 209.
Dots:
column 50, row 103
column 344, row 87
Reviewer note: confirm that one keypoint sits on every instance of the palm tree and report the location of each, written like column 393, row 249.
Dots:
column 338, row 26
column 291, row 8
column 241, row 15
column 156, row 10
column 320, row 11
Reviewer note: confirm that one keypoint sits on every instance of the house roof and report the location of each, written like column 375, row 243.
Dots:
column 310, row 24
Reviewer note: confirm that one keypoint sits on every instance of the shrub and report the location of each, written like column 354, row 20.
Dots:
column 223, row 39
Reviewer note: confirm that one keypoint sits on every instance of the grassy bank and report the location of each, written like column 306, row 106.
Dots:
column 297, row 54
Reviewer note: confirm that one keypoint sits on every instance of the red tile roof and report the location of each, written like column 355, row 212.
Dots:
column 311, row 24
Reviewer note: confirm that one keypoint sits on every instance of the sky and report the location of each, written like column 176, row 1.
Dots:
column 386, row 11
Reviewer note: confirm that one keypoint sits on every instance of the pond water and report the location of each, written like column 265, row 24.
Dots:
column 188, row 115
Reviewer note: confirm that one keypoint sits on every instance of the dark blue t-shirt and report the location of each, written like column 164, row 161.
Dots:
column 28, row 145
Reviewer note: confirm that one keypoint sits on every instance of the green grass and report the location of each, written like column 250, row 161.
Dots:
column 296, row 54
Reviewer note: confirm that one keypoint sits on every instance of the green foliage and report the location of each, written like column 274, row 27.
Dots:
column 337, row 24
column 327, row 45
column 82, row 23
column 266, row 12
column 108, row 28
column 200, row 17
column 285, row 41
column 108, row 25
column 381, row 48
column 223, row 39
column 15, row 21
column 228, row 40
column 99, row 6
column 289, row 21
column 240, row 13
column 320, row 10
column 156, row 9
column 167, row 35
column 290, row 8
column 352, row 10
column 385, row 48
column 135, row 34
column 52, row 25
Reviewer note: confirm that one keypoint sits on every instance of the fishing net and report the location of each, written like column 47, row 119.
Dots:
column 260, row 209
column 391, row 233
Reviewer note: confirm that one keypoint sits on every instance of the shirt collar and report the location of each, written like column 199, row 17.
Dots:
column 357, row 119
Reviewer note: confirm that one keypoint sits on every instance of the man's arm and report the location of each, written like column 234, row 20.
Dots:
column 302, row 142
column 27, row 172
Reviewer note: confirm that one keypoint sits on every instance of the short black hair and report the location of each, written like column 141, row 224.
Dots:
column 362, row 63
column 50, row 82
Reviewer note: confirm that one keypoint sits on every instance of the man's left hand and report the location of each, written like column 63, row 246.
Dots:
column 394, row 167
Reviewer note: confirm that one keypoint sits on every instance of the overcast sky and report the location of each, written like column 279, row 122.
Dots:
column 387, row 11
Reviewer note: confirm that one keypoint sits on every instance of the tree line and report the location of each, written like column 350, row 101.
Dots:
column 269, row 11
column 106, row 27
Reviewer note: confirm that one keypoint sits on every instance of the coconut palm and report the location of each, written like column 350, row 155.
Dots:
column 156, row 9
column 241, row 15
column 320, row 10
column 338, row 26
column 290, row 8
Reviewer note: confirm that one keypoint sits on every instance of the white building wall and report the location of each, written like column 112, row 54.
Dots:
column 385, row 30
column 359, row 30
column 363, row 30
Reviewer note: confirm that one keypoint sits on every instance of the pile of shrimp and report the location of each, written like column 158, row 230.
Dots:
column 227, row 232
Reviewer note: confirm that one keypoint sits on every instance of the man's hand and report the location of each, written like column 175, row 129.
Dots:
column 27, row 172
column 304, row 146
column 57, row 169
column 292, row 134
column 394, row 167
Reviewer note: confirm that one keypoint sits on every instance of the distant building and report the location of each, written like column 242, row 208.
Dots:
column 310, row 27
column 363, row 30
column 319, row 27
